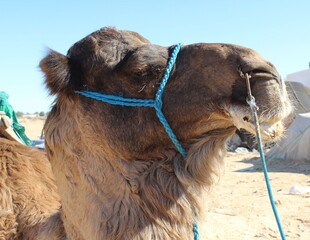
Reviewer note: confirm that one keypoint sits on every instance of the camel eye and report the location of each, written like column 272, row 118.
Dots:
column 149, row 71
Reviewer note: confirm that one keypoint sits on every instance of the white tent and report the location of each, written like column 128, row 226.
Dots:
column 295, row 145
column 301, row 76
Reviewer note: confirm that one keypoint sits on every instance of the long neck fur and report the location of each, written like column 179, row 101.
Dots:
column 111, row 198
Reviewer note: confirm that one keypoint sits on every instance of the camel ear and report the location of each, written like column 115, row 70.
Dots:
column 56, row 69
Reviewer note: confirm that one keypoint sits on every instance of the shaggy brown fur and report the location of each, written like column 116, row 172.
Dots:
column 118, row 173
column 29, row 202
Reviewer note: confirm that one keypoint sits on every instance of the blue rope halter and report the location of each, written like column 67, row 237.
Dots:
column 156, row 103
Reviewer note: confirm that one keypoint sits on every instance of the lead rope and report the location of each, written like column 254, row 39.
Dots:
column 156, row 103
column 251, row 101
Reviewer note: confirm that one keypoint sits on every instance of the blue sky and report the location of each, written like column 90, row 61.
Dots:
column 278, row 30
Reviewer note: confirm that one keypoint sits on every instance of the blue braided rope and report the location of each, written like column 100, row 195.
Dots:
column 253, row 107
column 195, row 226
column 116, row 100
column 157, row 104
column 167, row 73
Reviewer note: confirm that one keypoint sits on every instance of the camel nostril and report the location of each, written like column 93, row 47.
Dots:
column 246, row 119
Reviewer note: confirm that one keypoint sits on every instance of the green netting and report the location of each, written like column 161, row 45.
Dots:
column 17, row 127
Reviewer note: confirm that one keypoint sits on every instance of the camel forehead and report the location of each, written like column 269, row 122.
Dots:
column 130, row 39
column 113, row 45
column 108, row 37
column 123, row 36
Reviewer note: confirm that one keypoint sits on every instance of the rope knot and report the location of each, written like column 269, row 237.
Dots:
column 158, row 104
column 251, row 102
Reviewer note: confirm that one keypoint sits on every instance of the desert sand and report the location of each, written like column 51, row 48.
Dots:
column 33, row 126
column 237, row 207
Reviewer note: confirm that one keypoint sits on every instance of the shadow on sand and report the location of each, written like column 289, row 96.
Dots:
column 277, row 165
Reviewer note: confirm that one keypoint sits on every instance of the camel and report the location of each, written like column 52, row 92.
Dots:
column 30, row 204
column 119, row 174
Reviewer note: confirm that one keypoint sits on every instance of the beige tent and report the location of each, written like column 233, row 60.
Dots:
column 295, row 145
column 300, row 96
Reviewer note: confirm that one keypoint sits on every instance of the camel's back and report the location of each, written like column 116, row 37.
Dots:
column 28, row 194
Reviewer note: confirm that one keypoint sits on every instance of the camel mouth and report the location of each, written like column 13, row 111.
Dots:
column 273, row 105
column 271, row 123
column 270, row 131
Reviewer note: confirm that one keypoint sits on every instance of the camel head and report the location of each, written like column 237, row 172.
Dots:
column 204, row 95
column 204, row 102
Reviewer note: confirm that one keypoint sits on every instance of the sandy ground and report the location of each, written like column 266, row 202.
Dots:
column 238, row 207
column 33, row 127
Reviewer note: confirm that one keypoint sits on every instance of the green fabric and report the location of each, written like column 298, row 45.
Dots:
column 17, row 127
